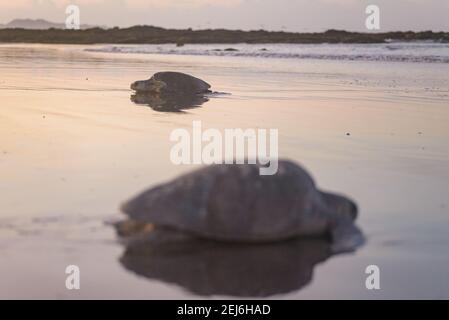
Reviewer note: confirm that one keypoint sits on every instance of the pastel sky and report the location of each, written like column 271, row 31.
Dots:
column 291, row 15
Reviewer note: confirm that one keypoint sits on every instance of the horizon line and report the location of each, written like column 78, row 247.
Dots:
column 107, row 27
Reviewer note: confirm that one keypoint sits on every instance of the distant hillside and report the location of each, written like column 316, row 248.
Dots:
column 155, row 35
column 38, row 24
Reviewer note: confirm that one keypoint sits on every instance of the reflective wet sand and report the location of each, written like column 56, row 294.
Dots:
column 73, row 146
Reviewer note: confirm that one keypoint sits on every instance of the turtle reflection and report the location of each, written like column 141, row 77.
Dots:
column 169, row 102
column 212, row 268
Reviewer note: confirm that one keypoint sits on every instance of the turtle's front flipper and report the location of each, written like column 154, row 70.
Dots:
column 346, row 237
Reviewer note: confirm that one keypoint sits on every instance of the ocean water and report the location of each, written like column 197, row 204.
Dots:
column 74, row 146
column 393, row 51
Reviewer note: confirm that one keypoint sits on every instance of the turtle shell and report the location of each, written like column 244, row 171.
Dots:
column 234, row 202
column 178, row 82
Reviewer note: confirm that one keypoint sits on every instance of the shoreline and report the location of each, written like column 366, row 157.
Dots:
column 156, row 35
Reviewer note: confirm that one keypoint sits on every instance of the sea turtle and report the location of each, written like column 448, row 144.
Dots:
column 171, row 83
column 234, row 203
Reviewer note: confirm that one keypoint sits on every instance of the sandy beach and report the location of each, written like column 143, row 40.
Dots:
column 73, row 147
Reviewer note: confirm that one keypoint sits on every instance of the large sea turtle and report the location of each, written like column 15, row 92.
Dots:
column 234, row 203
column 171, row 83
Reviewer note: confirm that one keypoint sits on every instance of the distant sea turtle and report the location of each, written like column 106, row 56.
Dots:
column 235, row 203
column 171, row 83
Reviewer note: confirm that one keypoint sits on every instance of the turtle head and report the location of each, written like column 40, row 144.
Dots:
column 345, row 235
column 340, row 206
column 150, row 85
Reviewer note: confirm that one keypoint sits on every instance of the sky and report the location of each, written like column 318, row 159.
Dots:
column 288, row 15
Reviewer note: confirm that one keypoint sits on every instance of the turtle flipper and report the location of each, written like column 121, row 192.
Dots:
column 346, row 237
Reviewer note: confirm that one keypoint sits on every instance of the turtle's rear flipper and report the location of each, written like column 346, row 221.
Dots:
column 346, row 237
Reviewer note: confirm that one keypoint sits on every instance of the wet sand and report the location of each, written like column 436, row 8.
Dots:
column 73, row 146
